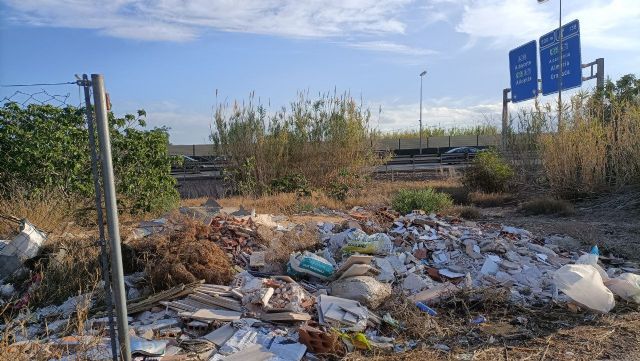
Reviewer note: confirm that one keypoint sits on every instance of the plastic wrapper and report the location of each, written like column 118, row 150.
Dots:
column 627, row 286
column 584, row 285
column 378, row 243
column 311, row 264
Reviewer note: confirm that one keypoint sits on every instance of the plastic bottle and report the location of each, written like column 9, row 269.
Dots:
column 592, row 257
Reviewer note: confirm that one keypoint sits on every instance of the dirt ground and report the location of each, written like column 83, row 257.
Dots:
column 540, row 332
column 613, row 230
column 513, row 332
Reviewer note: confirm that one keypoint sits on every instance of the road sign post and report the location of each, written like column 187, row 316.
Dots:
column 523, row 66
column 571, row 59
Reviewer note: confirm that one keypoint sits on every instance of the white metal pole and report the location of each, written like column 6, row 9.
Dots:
column 111, row 205
column 560, row 125
column 420, row 113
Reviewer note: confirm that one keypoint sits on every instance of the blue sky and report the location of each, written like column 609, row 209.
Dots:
column 171, row 56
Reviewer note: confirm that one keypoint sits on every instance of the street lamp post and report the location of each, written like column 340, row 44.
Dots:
column 421, row 76
column 560, row 58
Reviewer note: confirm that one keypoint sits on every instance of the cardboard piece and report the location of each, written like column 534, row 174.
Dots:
column 354, row 259
column 359, row 270
column 434, row 293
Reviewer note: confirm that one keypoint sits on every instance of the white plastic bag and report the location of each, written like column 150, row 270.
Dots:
column 627, row 286
column 26, row 244
column 584, row 285
column 592, row 259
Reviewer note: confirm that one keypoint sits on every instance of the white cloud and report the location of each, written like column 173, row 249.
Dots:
column 185, row 127
column 179, row 20
column 435, row 114
column 391, row 47
column 604, row 24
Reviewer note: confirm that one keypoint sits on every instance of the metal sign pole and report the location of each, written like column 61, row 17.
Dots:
column 505, row 116
column 100, row 101
column 560, row 77
column 96, row 184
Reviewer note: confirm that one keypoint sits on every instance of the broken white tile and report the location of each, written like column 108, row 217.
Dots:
column 489, row 267
column 447, row 273
column 415, row 283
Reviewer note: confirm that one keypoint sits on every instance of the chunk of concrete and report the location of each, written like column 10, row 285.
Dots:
column 364, row 289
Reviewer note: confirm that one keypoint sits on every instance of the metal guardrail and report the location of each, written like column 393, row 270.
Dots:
column 441, row 143
column 431, row 159
column 198, row 167
column 206, row 168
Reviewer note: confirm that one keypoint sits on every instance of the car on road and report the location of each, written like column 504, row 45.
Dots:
column 459, row 155
column 463, row 150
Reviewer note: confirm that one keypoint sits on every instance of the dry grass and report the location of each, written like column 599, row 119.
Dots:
column 68, row 268
column 50, row 210
column 374, row 194
column 68, row 263
column 466, row 212
column 486, row 200
column 316, row 138
column 183, row 255
column 549, row 206
column 511, row 332
column 591, row 155
column 283, row 244
column 597, row 149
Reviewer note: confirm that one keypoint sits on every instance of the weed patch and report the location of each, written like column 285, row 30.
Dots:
column 547, row 206
column 459, row 194
column 467, row 212
column 488, row 173
column 312, row 138
column 486, row 200
column 427, row 200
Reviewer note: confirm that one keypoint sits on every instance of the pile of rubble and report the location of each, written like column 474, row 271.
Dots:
column 326, row 303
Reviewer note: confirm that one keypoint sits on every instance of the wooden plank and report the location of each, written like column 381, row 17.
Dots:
column 224, row 302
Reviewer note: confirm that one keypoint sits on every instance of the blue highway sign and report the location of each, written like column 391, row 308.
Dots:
column 571, row 59
column 523, row 66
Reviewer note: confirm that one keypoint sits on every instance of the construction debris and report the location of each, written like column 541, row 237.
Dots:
column 328, row 303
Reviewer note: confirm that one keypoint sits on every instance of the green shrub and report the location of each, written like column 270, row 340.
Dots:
column 45, row 147
column 310, row 137
column 291, row 183
column 488, row 173
column 428, row 200
column 346, row 183
column 547, row 206
column 459, row 194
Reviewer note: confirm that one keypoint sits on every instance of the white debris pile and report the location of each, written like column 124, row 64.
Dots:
column 426, row 256
column 328, row 301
